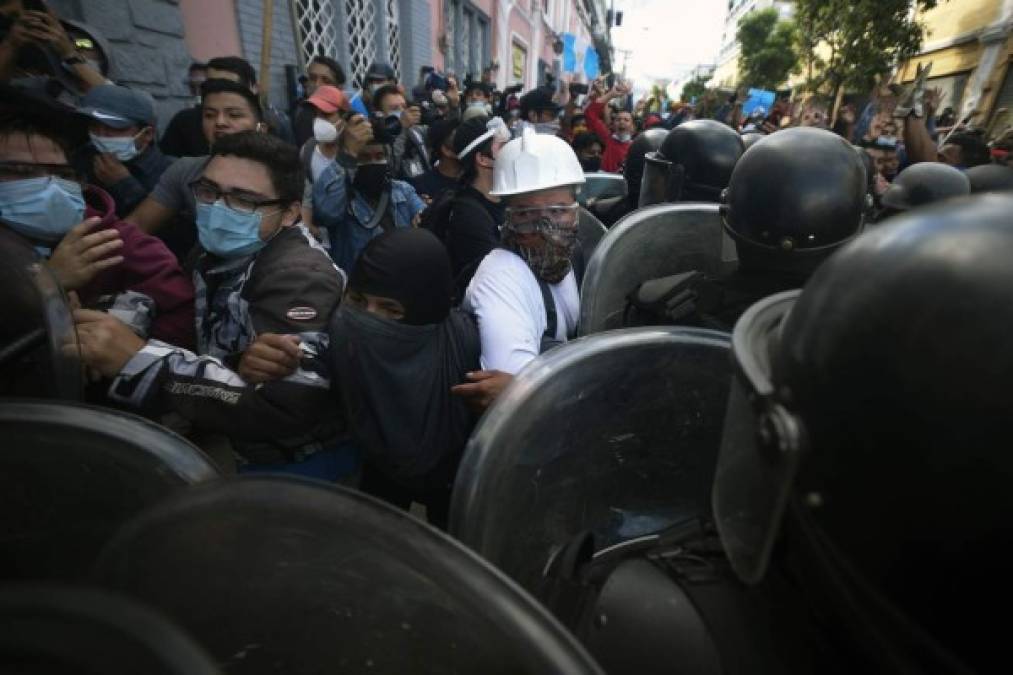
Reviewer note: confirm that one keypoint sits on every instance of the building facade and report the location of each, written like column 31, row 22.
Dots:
column 970, row 46
column 154, row 41
column 726, row 74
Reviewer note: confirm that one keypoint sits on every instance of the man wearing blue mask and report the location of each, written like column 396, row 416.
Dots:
column 106, row 262
column 260, row 271
column 127, row 161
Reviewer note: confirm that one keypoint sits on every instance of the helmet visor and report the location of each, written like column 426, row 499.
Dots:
column 760, row 445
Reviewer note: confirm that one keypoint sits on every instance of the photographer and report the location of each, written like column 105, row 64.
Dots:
column 410, row 157
column 34, row 42
column 356, row 198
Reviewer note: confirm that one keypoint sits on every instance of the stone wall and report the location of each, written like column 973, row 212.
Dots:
column 146, row 38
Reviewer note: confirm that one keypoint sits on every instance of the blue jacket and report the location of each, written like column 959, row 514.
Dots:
column 346, row 223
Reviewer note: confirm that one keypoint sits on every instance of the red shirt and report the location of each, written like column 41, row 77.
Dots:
column 148, row 267
column 615, row 151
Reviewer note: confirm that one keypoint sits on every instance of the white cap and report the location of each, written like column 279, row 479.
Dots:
column 535, row 162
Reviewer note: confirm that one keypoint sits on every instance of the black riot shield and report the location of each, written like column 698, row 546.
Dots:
column 71, row 474
column 615, row 433
column 651, row 243
column 71, row 631
column 601, row 185
column 284, row 575
column 38, row 353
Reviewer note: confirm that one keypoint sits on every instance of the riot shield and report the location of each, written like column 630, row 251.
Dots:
column 285, row 575
column 64, row 631
column 71, row 474
column 38, row 352
column 601, row 185
column 651, row 243
column 616, row 433
column 590, row 232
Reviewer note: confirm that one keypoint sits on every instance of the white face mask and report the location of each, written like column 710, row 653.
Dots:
column 623, row 138
column 324, row 131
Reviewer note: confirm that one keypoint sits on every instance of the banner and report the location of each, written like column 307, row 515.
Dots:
column 758, row 98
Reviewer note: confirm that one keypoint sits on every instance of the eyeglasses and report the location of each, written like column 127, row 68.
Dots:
column 207, row 192
column 22, row 170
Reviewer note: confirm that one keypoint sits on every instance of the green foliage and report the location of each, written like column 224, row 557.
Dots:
column 695, row 87
column 848, row 43
column 766, row 49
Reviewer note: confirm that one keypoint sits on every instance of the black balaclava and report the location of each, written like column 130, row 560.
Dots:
column 410, row 266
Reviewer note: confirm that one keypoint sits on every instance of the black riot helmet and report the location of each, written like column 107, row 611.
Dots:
column 924, row 183
column 701, row 155
column 868, row 424
column 633, row 167
column 793, row 199
column 990, row 178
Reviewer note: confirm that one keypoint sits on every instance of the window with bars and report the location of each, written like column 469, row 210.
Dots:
column 394, row 37
column 317, row 28
column 467, row 35
column 361, row 27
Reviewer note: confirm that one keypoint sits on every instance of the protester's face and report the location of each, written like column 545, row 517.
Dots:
column 562, row 196
column 814, row 117
column 579, row 126
column 545, row 116
column 227, row 113
column 590, row 152
column 251, row 181
column 334, row 118
column 318, row 75
column 37, row 156
column 624, row 123
column 195, row 78
column 387, row 308
column 477, row 96
column 142, row 136
column 374, row 153
column 951, row 154
column 884, row 161
column 392, row 103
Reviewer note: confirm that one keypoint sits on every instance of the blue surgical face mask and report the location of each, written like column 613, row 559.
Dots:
column 124, row 148
column 228, row 233
column 42, row 209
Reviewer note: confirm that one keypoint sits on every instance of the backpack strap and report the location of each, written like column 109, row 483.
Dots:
column 551, row 321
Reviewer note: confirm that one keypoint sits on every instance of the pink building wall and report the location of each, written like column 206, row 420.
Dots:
column 210, row 28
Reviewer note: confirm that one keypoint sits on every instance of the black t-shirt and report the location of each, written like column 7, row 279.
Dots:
column 184, row 137
column 433, row 183
column 473, row 231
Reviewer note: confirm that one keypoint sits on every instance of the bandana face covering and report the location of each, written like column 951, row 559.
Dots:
column 550, row 261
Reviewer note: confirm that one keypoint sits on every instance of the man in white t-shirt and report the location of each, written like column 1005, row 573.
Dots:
column 524, row 295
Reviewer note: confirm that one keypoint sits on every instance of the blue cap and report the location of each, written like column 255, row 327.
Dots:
column 118, row 107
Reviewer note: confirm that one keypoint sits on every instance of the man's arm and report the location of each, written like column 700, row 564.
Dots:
column 151, row 216
column 594, row 122
column 918, row 143
column 151, row 269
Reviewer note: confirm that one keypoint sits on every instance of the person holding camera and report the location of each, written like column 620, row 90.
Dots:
column 356, row 198
column 409, row 155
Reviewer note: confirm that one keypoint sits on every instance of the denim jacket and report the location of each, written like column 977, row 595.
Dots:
column 346, row 223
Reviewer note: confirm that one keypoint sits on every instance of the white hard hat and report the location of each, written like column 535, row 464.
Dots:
column 534, row 162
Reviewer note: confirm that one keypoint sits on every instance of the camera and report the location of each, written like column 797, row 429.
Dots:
column 386, row 128
column 578, row 88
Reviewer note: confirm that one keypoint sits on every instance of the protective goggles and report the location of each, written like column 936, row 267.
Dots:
column 556, row 223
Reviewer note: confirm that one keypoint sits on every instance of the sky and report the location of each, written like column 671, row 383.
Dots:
column 667, row 37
